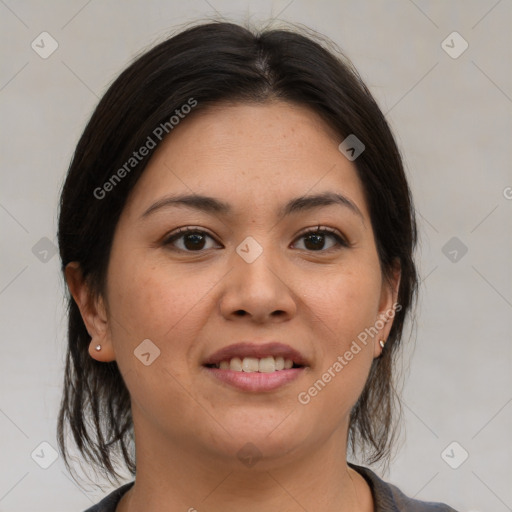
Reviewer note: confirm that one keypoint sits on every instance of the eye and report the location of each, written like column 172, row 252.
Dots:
column 191, row 239
column 320, row 239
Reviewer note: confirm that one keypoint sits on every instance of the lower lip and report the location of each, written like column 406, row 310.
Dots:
column 256, row 381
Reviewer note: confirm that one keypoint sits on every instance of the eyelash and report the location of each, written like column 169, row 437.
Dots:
column 318, row 230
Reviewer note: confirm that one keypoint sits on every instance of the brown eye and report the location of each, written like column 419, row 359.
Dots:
column 314, row 241
column 190, row 240
column 320, row 240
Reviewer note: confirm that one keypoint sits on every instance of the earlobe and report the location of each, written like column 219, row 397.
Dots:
column 378, row 348
column 101, row 353
column 93, row 313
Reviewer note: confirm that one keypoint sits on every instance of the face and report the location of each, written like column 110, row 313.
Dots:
column 272, row 251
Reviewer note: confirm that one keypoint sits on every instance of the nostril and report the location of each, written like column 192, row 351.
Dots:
column 240, row 312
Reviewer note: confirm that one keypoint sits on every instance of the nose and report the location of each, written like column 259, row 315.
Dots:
column 258, row 292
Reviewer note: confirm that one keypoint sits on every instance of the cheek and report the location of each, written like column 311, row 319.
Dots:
column 346, row 302
column 152, row 302
column 344, row 306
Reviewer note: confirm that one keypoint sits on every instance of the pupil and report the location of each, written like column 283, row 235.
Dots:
column 194, row 241
column 317, row 241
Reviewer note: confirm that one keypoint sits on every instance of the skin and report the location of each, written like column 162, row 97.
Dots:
column 188, row 426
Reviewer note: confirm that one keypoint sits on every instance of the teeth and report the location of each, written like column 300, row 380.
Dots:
column 267, row 365
column 235, row 364
column 250, row 364
column 253, row 364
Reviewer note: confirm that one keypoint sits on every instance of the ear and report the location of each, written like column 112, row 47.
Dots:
column 388, row 307
column 93, row 313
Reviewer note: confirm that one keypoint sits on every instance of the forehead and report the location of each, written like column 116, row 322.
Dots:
column 251, row 155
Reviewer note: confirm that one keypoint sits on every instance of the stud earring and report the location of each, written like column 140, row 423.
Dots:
column 98, row 348
column 382, row 343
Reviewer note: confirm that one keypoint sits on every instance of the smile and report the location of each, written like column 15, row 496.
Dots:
column 253, row 364
column 255, row 367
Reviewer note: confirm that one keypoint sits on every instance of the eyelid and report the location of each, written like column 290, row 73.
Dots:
column 175, row 235
column 341, row 239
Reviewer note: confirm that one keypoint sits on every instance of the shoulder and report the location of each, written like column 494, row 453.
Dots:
column 109, row 503
column 388, row 498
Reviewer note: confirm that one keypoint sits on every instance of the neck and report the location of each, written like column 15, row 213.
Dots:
column 175, row 477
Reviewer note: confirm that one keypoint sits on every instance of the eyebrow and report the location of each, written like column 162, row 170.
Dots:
column 212, row 205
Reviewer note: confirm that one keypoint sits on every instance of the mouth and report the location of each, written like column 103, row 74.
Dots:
column 256, row 367
column 268, row 364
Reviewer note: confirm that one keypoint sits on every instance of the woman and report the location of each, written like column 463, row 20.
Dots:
column 237, row 235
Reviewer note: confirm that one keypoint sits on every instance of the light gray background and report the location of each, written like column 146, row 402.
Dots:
column 452, row 118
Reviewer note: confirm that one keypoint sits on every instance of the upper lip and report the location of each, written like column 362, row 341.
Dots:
column 257, row 350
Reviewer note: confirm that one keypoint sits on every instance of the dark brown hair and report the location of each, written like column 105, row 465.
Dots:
column 213, row 63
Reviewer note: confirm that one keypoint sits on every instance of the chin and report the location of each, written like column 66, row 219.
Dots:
column 268, row 442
